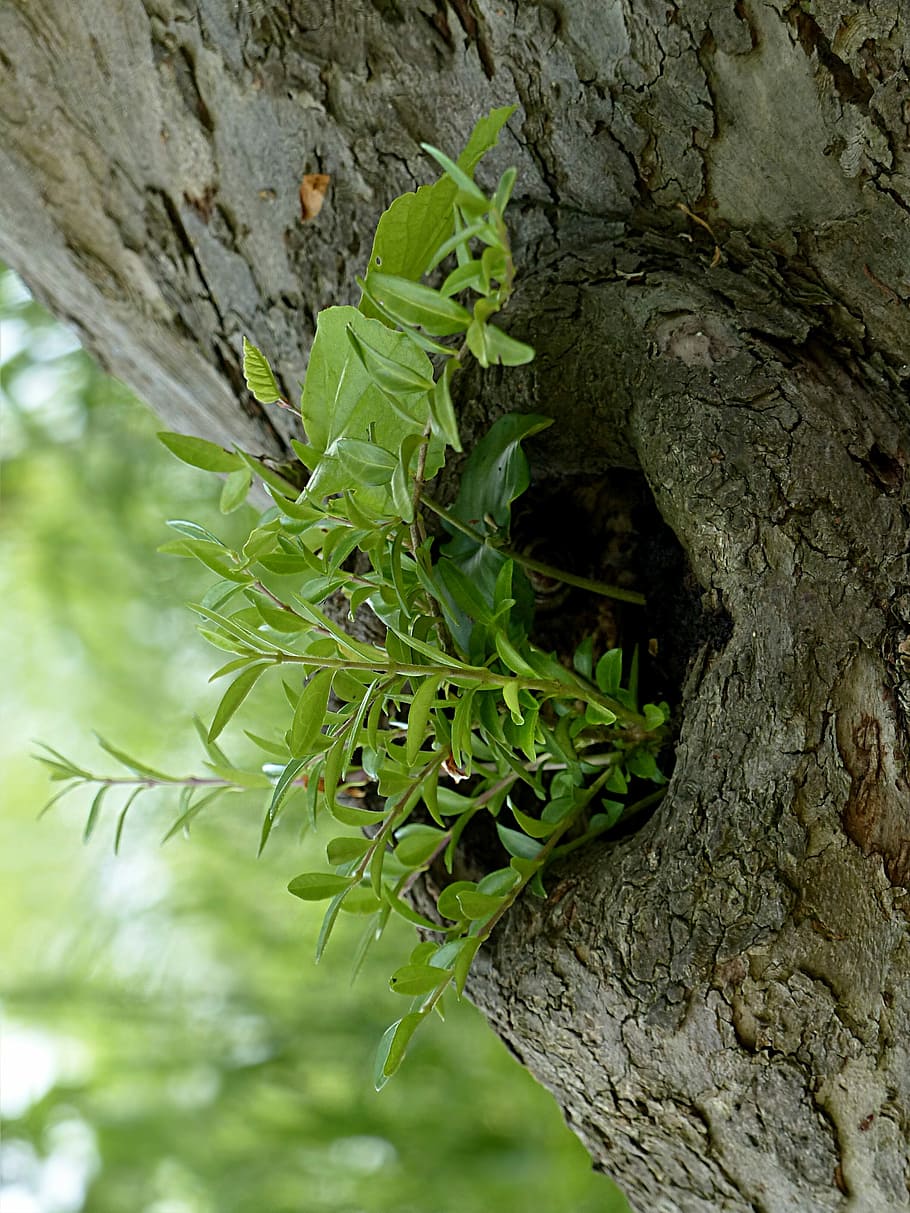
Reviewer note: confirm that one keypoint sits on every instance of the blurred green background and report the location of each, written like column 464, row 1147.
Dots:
column 167, row 1044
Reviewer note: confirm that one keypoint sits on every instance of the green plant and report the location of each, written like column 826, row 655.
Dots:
column 457, row 712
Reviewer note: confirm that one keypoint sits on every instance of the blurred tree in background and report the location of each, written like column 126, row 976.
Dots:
column 168, row 1045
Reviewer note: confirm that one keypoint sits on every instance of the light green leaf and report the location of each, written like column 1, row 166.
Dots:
column 282, row 787
column 364, row 463
column 470, row 196
column 478, row 905
column 132, row 764
column 415, row 225
column 319, row 886
column 392, row 376
column 510, row 695
column 412, row 980
column 447, row 902
column 502, row 350
column 310, row 712
column 258, row 375
column 234, row 490
column 199, row 453
column 235, row 695
column 361, row 900
column 94, row 811
column 442, row 410
column 346, row 847
column 418, row 716
column 392, row 1047
column 417, row 844
column 412, row 303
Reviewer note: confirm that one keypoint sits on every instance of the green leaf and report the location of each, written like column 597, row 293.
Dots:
column 319, row 886
column 655, row 715
column 597, row 715
column 258, row 375
column 417, row 844
column 470, row 196
column 234, row 490
column 463, row 963
column 517, row 844
column 192, row 810
column 121, row 820
column 235, row 695
column 447, row 902
column 418, row 716
column 275, row 481
column 282, row 787
column 495, row 474
column 328, row 921
column 132, row 764
column 478, row 905
column 345, row 848
column 442, row 411
column 365, row 463
column 94, row 811
column 511, row 657
column 510, row 695
column 531, row 826
column 499, row 349
column 583, row 658
column 201, row 454
column 361, row 900
column 412, row 980
column 412, row 303
column 392, row 1047
column 389, row 374
column 310, row 712
column 416, row 224
column 609, row 672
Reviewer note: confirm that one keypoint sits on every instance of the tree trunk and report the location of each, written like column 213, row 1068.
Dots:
column 713, row 230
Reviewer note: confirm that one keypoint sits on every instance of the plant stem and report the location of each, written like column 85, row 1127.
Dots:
column 536, row 566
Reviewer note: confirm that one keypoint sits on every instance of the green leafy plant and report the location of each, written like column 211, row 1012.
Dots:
column 456, row 713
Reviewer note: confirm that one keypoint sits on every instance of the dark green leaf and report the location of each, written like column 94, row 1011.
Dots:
column 609, row 671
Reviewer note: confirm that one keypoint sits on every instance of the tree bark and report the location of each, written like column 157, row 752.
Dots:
column 712, row 223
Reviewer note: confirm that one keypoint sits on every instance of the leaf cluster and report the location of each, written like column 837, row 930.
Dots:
column 457, row 713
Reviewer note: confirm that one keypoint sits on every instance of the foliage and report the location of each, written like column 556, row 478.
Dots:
column 200, row 1061
column 379, row 737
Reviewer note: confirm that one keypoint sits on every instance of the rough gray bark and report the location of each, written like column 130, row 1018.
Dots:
column 721, row 1001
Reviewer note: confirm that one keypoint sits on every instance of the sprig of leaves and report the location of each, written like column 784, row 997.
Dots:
column 402, row 744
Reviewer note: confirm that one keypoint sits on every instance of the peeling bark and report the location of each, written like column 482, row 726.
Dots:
column 712, row 217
